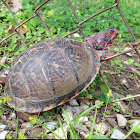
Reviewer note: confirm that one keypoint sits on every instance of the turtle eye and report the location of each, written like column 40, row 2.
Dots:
column 112, row 30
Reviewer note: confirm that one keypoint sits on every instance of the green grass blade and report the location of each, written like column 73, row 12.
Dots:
column 52, row 131
column 93, row 124
column 2, row 65
column 61, row 126
column 80, row 123
column 111, row 131
column 131, row 131
column 104, row 115
column 70, row 126
column 88, row 110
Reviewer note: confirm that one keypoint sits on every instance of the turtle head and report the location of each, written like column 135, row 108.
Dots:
column 100, row 41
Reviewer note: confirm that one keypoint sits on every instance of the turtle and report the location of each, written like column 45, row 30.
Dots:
column 50, row 73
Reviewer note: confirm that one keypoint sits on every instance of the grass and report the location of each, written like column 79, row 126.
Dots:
column 60, row 20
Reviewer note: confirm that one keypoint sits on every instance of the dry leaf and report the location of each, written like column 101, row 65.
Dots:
column 16, row 5
column 10, row 1
column 11, row 29
column 127, row 49
column 23, row 28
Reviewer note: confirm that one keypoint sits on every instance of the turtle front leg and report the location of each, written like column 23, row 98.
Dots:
column 103, row 54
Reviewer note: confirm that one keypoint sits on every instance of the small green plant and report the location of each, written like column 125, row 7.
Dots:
column 21, row 136
column 115, row 107
column 43, row 135
column 130, row 61
column 9, row 137
column 33, row 120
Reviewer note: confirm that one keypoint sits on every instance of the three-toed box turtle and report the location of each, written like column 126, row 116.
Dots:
column 52, row 72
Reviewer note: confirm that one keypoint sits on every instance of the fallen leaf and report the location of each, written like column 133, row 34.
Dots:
column 11, row 29
column 10, row 1
column 127, row 49
column 23, row 28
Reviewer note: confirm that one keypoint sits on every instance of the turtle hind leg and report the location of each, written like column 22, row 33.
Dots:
column 2, row 80
column 26, row 117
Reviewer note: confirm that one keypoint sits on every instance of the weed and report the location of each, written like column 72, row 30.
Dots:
column 21, row 136
column 43, row 135
column 9, row 137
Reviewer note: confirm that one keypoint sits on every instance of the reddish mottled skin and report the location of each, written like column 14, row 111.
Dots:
column 2, row 80
column 25, row 117
column 99, row 42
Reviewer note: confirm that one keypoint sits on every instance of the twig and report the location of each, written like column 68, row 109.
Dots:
column 135, row 96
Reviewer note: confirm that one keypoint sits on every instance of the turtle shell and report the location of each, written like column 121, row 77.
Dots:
column 50, row 73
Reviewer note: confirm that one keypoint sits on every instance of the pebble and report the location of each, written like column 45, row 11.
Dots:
column 125, row 62
column 121, row 120
column 84, row 106
column 123, row 81
column 3, row 117
column 117, row 134
column 76, row 35
column 3, row 134
column 22, row 130
column 83, row 119
column 104, row 128
column 60, row 133
column 88, row 124
column 26, row 125
column 12, row 124
column 81, row 127
column 134, row 123
column 77, row 110
column 129, row 54
column 50, row 125
column 135, row 107
column 96, row 102
column 35, row 131
column 73, row 102
column 2, row 127
column 84, row 134
column 69, row 113
column 12, row 116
